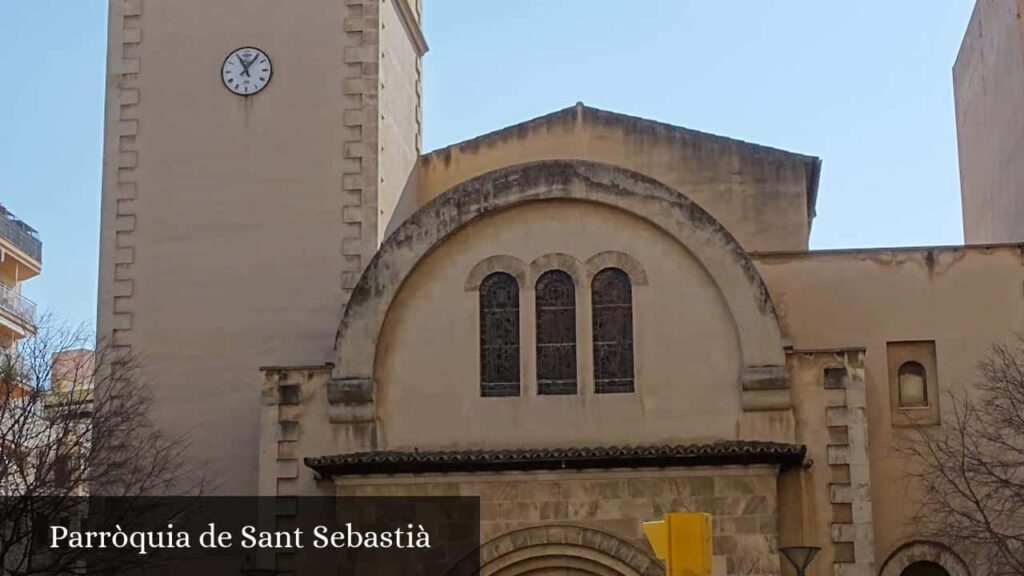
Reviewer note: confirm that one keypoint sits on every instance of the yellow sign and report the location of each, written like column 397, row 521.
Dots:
column 683, row 541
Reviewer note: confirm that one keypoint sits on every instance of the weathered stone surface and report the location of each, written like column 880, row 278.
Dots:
column 521, row 512
column 353, row 391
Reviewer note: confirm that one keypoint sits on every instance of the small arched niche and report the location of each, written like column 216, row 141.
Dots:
column 912, row 385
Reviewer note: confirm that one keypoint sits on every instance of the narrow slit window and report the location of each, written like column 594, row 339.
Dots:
column 913, row 386
column 612, row 303
column 499, row 335
column 556, row 333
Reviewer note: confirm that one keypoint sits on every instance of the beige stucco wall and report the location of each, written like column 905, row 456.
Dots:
column 837, row 308
column 962, row 298
column 758, row 193
column 423, row 391
column 233, row 227
column 988, row 79
column 828, row 301
column 687, row 356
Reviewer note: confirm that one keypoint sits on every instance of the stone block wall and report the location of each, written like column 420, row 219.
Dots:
column 124, row 61
column 382, row 122
column 830, row 400
column 284, row 399
column 742, row 500
column 847, row 455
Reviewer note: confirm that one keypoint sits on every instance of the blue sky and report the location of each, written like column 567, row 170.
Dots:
column 865, row 85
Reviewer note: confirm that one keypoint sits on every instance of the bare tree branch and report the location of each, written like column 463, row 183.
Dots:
column 971, row 468
column 75, row 421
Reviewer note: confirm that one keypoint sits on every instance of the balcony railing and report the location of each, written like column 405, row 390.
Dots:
column 23, row 308
column 21, row 235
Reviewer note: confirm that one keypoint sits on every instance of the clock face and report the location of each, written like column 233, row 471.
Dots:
column 246, row 71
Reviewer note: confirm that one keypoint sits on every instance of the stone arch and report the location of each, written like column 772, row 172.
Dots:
column 558, row 261
column 501, row 263
column 923, row 551
column 746, row 296
column 559, row 549
column 613, row 259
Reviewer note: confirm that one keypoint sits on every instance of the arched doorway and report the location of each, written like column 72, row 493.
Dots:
column 922, row 558
column 558, row 549
column 924, row 568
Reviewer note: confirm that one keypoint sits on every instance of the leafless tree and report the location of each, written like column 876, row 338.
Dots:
column 971, row 468
column 74, row 421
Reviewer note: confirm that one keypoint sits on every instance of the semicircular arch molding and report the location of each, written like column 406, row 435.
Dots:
column 557, row 261
column 558, row 548
column 500, row 263
column 612, row 259
column 728, row 265
column 924, row 551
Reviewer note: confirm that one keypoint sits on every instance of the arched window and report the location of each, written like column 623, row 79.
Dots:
column 556, row 333
column 499, row 335
column 612, row 302
column 913, row 386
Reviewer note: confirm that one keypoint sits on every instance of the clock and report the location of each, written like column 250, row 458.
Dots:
column 246, row 71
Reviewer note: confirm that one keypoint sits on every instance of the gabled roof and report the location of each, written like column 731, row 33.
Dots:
column 717, row 454
column 640, row 127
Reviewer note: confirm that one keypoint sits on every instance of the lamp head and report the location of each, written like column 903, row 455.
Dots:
column 800, row 556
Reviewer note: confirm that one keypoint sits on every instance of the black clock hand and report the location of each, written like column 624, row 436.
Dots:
column 241, row 61
column 245, row 66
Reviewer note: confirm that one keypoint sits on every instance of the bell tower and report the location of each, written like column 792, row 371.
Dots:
column 234, row 226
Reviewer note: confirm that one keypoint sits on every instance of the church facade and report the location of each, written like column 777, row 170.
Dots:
column 587, row 319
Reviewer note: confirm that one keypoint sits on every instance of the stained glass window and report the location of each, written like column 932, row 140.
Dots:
column 556, row 333
column 499, row 335
column 612, row 300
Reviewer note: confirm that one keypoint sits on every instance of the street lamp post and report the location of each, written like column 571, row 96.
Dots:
column 800, row 556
